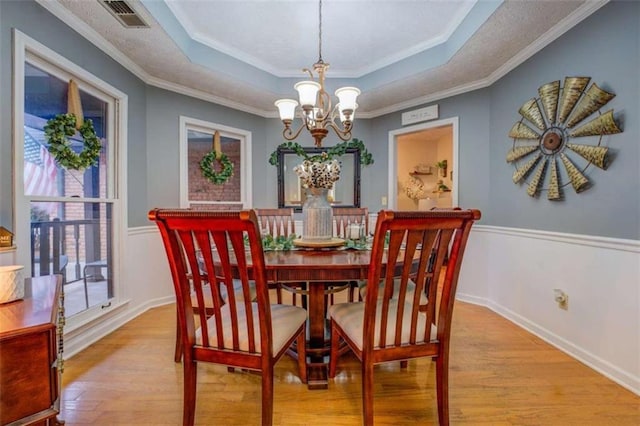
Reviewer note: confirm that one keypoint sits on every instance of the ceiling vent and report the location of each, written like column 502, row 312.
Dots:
column 124, row 13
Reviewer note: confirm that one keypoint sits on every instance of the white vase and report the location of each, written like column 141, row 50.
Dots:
column 11, row 283
column 317, row 216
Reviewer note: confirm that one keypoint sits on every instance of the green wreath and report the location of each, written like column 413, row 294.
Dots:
column 59, row 129
column 206, row 166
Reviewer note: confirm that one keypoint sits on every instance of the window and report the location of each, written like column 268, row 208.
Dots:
column 196, row 191
column 71, row 216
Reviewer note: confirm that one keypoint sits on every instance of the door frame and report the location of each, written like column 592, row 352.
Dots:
column 392, row 190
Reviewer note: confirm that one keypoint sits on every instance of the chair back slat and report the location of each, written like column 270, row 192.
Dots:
column 276, row 222
column 344, row 216
column 207, row 253
column 408, row 253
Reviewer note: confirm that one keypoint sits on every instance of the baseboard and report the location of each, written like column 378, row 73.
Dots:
column 601, row 366
column 83, row 337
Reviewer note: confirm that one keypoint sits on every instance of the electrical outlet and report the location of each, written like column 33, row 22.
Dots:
column 561, row 298
column 383, row 201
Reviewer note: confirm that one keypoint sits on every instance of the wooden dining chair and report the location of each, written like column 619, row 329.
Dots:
column 208, row 247
column 343, row 217
column 395, row 321
column 277, row 222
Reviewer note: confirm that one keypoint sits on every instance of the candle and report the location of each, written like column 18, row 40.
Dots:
column 354, row 231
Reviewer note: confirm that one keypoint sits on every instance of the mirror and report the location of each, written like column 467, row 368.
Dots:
column 345, row 192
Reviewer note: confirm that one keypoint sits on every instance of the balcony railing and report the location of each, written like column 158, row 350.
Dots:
column 66, row 246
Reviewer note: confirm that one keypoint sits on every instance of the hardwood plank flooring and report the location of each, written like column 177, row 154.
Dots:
column 499, row 375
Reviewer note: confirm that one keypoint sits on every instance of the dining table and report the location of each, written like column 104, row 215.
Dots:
column 320, row 269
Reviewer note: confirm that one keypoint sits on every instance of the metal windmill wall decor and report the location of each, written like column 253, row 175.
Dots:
column 558, row 115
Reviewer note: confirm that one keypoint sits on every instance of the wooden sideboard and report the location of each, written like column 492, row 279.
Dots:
column 30, row 352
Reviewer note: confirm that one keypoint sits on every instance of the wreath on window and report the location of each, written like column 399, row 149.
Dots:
column 206, row 167
column 59, row 129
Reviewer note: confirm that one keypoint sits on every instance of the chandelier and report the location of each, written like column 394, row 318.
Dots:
column 317, row 113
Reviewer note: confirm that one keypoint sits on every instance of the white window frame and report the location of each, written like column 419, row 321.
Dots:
column 189, row 123
column 26, row 49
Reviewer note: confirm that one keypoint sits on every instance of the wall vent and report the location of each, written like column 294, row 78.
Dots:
column 124, row 13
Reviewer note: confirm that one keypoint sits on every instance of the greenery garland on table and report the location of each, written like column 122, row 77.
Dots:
column 59, row 129
column 366, row 158
column 206, row 166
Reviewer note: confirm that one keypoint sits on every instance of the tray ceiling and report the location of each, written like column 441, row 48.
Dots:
column 401, row 53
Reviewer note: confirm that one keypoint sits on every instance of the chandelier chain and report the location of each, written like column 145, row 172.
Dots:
column 320, row 32
column 318, row 115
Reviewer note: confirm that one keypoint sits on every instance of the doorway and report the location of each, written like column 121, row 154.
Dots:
column 423, row 166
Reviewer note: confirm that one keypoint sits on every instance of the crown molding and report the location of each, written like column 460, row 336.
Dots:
column 573, row 19
column 199, row 94
column 588, row 8
column 79, row 26
column 101, row 43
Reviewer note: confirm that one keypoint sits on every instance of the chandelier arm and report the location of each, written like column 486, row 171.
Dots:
column 307, row 70
column 345, row 134
column 290, row 135
column 324, row 101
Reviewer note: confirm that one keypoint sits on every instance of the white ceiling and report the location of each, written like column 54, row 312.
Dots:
column 247, row 53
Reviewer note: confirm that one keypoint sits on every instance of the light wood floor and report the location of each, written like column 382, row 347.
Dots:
column 499, row 375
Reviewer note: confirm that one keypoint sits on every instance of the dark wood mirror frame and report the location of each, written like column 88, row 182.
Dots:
column 347, row 188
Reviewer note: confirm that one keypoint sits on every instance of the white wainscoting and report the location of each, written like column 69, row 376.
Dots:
column 7, row 256
column 511, row 271
column 145, row 272
column 601, row 276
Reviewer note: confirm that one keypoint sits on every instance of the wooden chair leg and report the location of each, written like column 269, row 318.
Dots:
column 279, row 293
column 442, row 388
column 177, row 356
column 335, row 351
column 267, row 395
column 367, row 393
column 302, row 356
column 190, row 378
column 404, row 364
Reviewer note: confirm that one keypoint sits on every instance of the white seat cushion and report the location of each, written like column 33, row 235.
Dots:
column 411, row 289
column 350, row 318
column 285, row 321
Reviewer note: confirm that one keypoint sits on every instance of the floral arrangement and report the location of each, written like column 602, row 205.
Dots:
column 319, row 173
column 414, row 188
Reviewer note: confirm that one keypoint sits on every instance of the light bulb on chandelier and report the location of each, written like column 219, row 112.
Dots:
column 317, row 113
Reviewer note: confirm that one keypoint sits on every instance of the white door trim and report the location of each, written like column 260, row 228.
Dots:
column 393, row 154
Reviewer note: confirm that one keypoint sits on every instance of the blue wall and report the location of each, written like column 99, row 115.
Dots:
column 37, row 23
column 473, row 140
column 597, row 47
column 163, row 130
column 605, row 47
